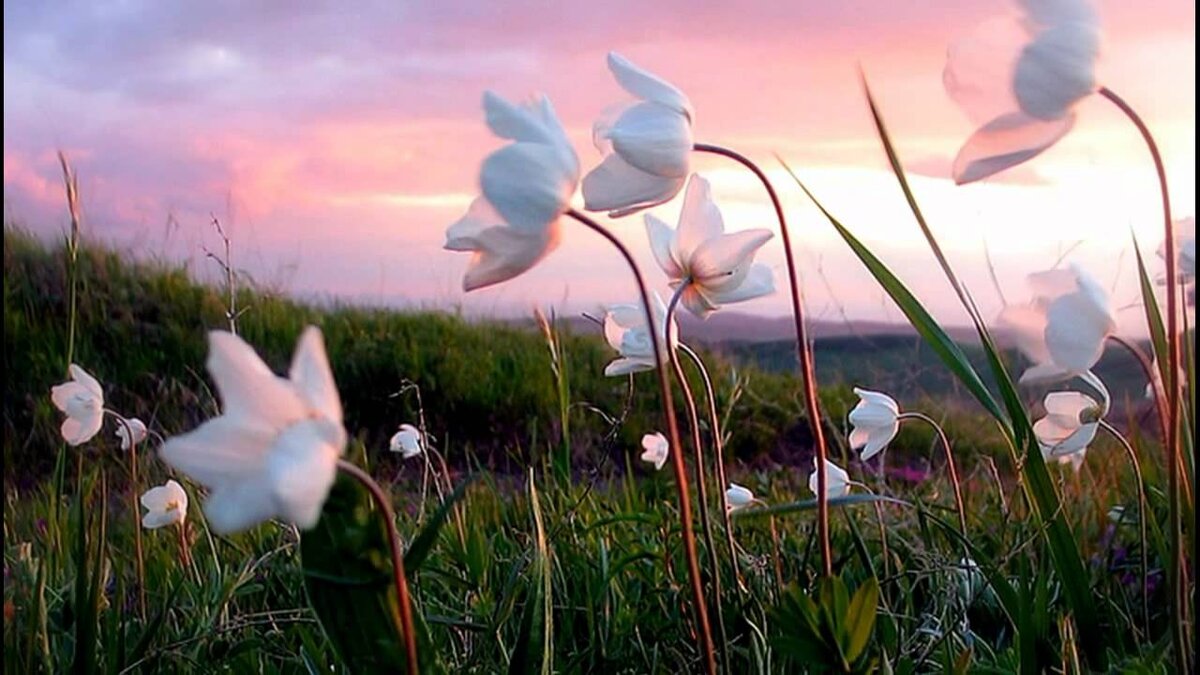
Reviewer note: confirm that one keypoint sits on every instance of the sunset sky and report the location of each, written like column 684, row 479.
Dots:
column 337, row 144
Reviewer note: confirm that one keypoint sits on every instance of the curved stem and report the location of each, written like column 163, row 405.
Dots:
column 398, row 577
column 681, row 484
column 719, row 445
column 950, row 465
column 1179, row 566
column 807, row 375
column 1143, row 511
column 701, row 473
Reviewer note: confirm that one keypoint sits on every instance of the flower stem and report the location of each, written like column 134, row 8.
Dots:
column 719, row 444
column 1171, row 382
column 701, row 473
column 803, row 351
column 398, row 577
column 681, row 484
column 950, row 465
column 135, row 512
column 1143, row 506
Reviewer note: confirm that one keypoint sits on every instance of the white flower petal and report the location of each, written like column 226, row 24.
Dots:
column 248, row 389
column 722, row 256
column 699, row 219
column 1005, row 142
column 1075, row 332
column 84, row 378
column 656, row 449
column 1068, row 403
column 237, row 505
column 737, row 497
column 654, row 139
column 223, row 449
column 515, row 122
column 625, row 366
column 645, row 85
column 313, row 377
column 756, row 282
column 837, row 481
column 80, row 430
column 527, row 185
column 301, row 468
column 621, row 189
column 661, row 243
column 1056, row 70
column 480, row 216
column 503, row 253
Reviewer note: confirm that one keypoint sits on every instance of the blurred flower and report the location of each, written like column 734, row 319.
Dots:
column 718, row 268
column 406, row 441
column 165, row 505
column 626, row 331
column 1020, row 78
column 273, row 451
column 646, row 145
column 1070, row 425
column 971, row 580
column 837, row 481
column 1064, row 328
column 527, row 185
column 1185, row 251
column 656, row 449
column 876, row 422
column 82, row 399
column 1119, row 515
column 132, row 426
column 737, row 497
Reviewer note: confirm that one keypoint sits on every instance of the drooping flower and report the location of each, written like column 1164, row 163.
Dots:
column 646, row 145
column 1020, row 78
column 876, row 422
column 1071, row 421
column 527, row 186
column 274, row 449
column 656, row 448
column 837, row 481
column 718, row 268
column 82, row 399
column 1064, row 328
column 165, row 505
column 131, row 432
column 626, row 331
column 737, row 497
column 406, row 441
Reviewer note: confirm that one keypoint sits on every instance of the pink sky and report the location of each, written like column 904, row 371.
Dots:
column 336, row 145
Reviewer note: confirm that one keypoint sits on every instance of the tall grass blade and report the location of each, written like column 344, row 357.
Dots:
column 533, row 651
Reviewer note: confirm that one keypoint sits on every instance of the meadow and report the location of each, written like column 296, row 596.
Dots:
column 426, row 493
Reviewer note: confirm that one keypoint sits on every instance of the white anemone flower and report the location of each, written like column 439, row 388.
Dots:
column 626, row 331
column 165, row 505
column 737, row 497
column 837, row 481
column 647, row 145
column 1020, row 78
column 1064, row 328
column 876, row 421
column 82, row 399
column 718, row 268
column 527, row 186
column 273, row 451
column 131, row 432
column 1070, row 425
column 406, row 441
column 656, row 449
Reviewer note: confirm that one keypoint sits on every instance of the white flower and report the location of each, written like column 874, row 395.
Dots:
column 130, row 426
column 1185, row 251
column 656, row 449
column 1070, row 424
column 971, row 580
column 737, row 497
column 82, row 399
column 527, row 186
column 165, row 505
column 1020, row 78
column 876, row 422
column 647, row 145
column 626, row 331
column 274, row 449
column 1064, row 328
column 837, row 481
column 718, row 268
column 406, row 441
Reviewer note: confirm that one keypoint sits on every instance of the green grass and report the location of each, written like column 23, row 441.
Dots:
column 608, row 569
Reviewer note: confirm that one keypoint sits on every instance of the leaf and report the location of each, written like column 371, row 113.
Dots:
column 533, row 652
column 811, row 505
column 860, row 618
column 423, row 543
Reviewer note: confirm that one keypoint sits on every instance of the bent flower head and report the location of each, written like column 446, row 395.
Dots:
column 876, row 422
column 1020, row 77
column 737, row 497
column 647, row 145
column 527, row 186
column 1070, row 424
column 131, row 432
column 82, row 399
column 406, row 441
column 626, row 331
column 655, row 449
column 837, row 481
column 717, row 268
column 165, row 505
column 1062, row 331
column 273, row 451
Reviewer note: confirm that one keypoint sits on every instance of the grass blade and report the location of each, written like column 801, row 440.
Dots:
column 423, row 543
